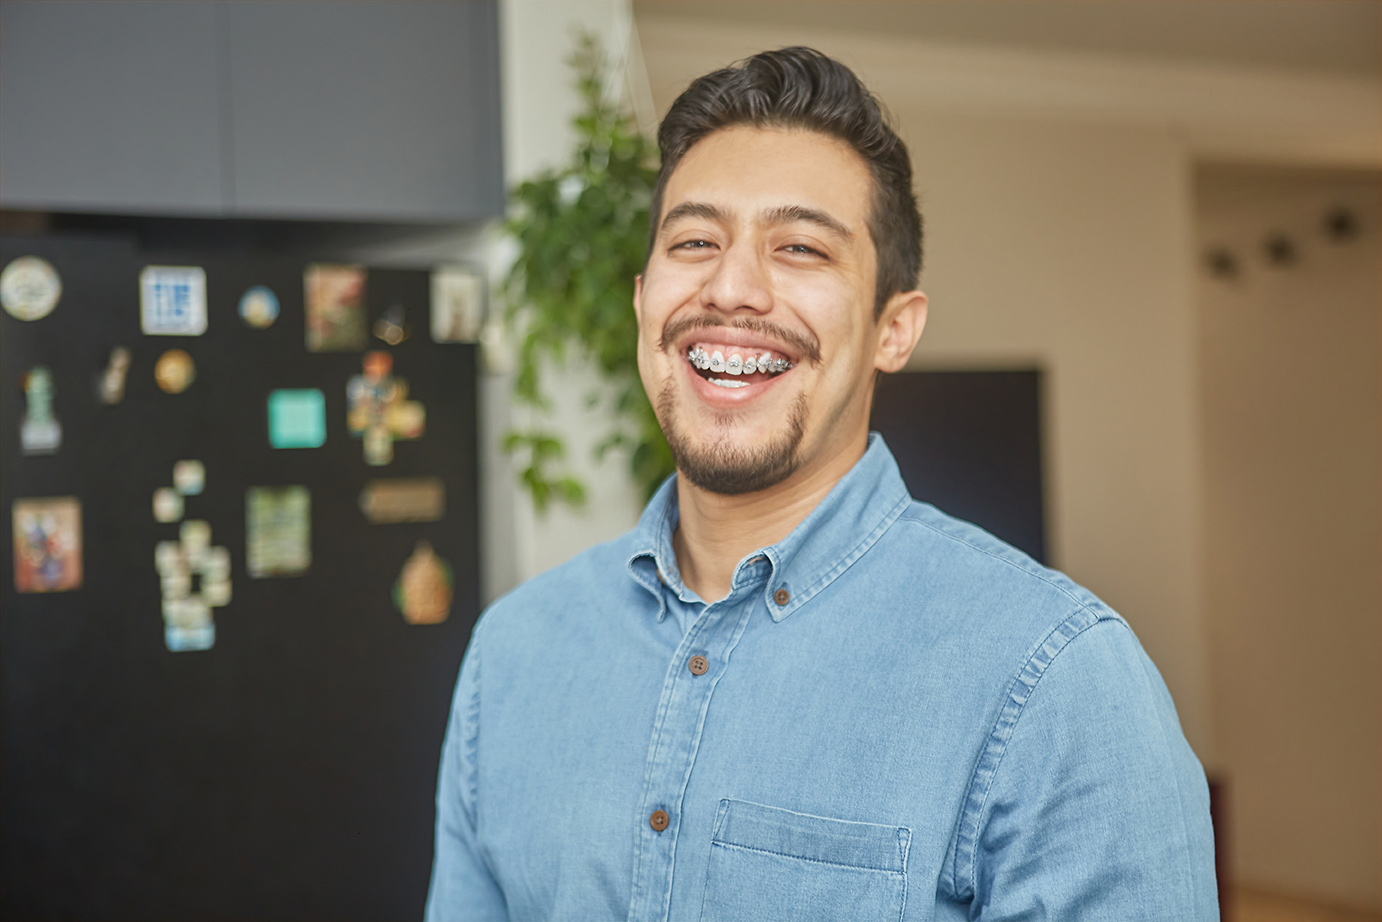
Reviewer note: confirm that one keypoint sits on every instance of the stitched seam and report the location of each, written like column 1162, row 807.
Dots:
column 470, row 744
column 904, row 842
column 831, row 864
column 1016, row 566
column 849, row 559
column 972, row 846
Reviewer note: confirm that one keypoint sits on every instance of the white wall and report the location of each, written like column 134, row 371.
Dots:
column 537, row 36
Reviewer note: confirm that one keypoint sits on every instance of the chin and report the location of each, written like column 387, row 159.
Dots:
column 727, row 456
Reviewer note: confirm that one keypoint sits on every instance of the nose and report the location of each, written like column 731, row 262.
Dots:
column 740, row 281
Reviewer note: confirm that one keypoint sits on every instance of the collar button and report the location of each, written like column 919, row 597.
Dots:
column 782, row 596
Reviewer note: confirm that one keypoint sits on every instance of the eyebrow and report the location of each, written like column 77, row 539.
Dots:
column 783, row 214
column 693, row 210
column 790, row 214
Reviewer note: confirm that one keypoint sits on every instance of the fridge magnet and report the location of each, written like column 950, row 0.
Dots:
column 39, row 432
column 172, row 300
column 297, row 418
column 189, row 477
column 175, row 371
column 405, row 499
column 195, row 537
column 378, row 409
column 110, row 386
column 393, row 326
column 458, row 306
column 278, row 533
column 423, row 590
column 167, row 505
column 47, row 544
column 335, row 308
column 259, row 307
column 187, row 625
column 29, row 288
column 187, row 621
column 216, row 577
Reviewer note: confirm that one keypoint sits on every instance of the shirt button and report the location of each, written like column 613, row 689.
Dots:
column 698, row 665
column 658, row 820
column 782, row 596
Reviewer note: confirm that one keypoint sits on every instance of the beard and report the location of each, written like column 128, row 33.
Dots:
column 725, row 465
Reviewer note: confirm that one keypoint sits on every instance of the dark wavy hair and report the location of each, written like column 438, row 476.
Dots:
column 802, row 88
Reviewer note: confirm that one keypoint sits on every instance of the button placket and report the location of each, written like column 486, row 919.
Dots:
column 677, row 731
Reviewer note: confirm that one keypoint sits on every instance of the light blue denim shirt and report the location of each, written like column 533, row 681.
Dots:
column 893, row 715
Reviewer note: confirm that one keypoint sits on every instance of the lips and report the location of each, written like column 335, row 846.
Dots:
column 729, row 364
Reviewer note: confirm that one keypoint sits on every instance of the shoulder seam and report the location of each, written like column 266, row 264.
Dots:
column 964, row 870
column 1064, row 590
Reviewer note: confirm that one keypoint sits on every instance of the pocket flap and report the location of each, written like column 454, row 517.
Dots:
column 813, row 838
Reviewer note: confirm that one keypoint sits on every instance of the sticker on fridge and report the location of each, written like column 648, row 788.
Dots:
column 297, row 418
column 423, row 591
column 379, row 411
column 403, row 499
column 335, row 308
column 458, row 306
column 172, row 300
column 259, row 307
column 40, row 433
column 278, row 531
column 47, row 544
column 110, row 384
column 175, row 371
column 29, row 288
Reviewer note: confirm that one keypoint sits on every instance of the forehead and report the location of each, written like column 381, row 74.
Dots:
column 745, row 169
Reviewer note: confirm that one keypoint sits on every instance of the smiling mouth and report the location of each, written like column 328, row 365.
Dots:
column 736, row 370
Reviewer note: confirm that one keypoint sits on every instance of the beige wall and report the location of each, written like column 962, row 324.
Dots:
column 1291, row 379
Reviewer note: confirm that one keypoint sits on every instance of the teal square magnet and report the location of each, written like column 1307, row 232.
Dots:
column 297, row 418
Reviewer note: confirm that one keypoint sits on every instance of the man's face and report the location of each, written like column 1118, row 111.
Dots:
column 763, row 254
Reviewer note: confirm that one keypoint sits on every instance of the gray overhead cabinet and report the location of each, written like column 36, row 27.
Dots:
column 379, row 110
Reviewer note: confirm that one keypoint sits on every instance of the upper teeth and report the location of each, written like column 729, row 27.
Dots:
column 736, row 364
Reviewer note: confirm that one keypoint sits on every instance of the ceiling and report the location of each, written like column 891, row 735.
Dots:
column 1332, row 36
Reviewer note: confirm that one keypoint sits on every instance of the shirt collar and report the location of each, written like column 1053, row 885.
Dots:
column 854, row 514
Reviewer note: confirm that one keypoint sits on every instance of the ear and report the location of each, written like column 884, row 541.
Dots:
column 638, row 298
column 899, row 329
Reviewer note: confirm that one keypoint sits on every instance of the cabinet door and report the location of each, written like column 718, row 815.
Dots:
column 110, row 106
column 365, row 110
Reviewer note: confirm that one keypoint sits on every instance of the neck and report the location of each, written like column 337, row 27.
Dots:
column 708, row 551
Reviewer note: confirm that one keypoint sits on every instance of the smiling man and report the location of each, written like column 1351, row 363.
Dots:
column 794, row 692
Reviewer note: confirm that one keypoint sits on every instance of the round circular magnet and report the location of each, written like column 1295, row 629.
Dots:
column 29, row 288
column 259, row 307
column 175, row 371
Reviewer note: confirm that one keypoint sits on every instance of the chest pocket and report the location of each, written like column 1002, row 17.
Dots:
column 767, row 863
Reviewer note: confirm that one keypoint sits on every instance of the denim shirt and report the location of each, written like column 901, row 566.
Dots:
column 892, row 715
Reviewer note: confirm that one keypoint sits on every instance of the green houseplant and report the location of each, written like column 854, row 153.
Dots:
column 582, row 234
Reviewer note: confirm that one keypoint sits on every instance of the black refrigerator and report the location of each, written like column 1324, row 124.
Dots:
column 243, row 565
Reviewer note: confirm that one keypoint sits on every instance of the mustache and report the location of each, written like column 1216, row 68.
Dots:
column 808, row 347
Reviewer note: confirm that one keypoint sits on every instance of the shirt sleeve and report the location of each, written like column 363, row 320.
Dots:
column 462, row 887
column 1096, row 807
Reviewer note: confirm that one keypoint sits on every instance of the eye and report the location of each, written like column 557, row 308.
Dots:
column 693, row 245
column 802, row 249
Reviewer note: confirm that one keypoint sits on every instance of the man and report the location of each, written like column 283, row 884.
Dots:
column 793, row 692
